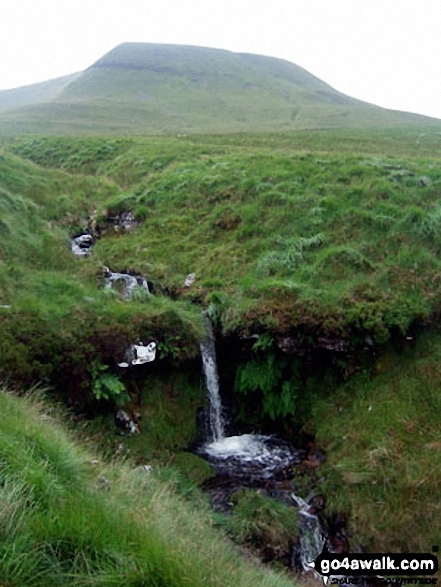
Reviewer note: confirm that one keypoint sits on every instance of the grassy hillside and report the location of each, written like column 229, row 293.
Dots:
column 140, row 88
column 329, row 243
column 328, row 238
column 382, row 437
column 56, row 316
column 69, row 518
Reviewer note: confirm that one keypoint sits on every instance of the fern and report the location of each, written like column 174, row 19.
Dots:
column 275, row 378
column 106, row 385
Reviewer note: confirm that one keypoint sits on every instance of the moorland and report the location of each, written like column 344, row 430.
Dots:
column 316, row 254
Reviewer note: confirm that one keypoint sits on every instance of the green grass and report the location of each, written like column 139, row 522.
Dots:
column 263, row 523
column 334, row 243
column 339, row 241
column 67, row 521
column 326, row 235
column 381, row 435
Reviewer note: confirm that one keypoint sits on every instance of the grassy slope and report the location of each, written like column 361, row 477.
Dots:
column 382, row 437
column 68, row 521
column 326, row 242
column 59, row 314
column 262, row 201
column 155, row 89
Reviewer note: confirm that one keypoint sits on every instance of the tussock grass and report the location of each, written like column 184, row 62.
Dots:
column 262, row 522
column 66, row 521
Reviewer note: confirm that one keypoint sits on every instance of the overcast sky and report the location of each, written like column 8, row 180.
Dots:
column 387, row 52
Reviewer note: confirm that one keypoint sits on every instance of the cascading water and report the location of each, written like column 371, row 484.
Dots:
column 246, row 454
column 252, row 461
column 128, row 282
column 310, row 531
column 208, row 353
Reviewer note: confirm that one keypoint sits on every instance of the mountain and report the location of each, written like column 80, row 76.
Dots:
column 35, row 93
column 143, row 88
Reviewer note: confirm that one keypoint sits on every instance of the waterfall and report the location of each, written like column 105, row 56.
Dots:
column 311, row 534
column 254, row 461
column 208, row 352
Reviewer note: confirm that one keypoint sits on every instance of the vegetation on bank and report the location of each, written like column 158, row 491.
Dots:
column 69, row 518
column 382, row 438
column 327, row 236
column 326, row 243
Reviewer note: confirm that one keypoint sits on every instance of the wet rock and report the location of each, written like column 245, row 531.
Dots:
column 339, row 345
column 125, row 423
column 313, row 457
column 190, row 279
column 312, row 537
column 291, row 345
column 125, row 282
column 82, row 245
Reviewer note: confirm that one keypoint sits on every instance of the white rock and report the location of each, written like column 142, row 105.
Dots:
column 145, row 354
column 190, row 279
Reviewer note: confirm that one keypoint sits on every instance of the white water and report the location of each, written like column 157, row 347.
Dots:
column 215, row 417
column 311, row 535
column 242, row 454
column 261, row 453
column 253, row 455
column 82, row 245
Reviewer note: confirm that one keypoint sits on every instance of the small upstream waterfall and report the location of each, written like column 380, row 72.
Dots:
column 208, row 353
column 128, row 282
column 240, row 455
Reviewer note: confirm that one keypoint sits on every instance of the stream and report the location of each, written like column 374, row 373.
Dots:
column 253, row 461
column 241, row 462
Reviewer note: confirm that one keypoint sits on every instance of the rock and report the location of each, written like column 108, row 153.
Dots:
column 82, row 244
column 190, row 279
column 144, row 469
column 122, row 419
column 144, row 354
column 104, row 483
column 291, row 345
column 125, row 422
column 333, row 344
column 128, row 282
column 424, row 182
column 124, row 221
